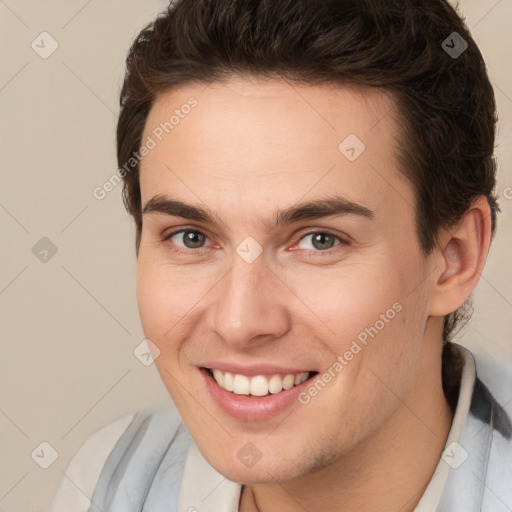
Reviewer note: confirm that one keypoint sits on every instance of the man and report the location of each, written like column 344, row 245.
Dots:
column 312, row 184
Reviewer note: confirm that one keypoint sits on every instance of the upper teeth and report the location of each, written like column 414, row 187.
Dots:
column 259, row 385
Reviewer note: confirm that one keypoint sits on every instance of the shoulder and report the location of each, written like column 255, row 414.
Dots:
column 150, row 429
column 491, row 400
column 495, row 373
column 481, row 469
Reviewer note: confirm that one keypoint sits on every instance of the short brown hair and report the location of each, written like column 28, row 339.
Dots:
column 445, row 103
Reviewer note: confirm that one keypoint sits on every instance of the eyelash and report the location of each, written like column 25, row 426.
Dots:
column 181, row 250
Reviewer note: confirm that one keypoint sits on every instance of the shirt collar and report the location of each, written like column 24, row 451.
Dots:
column 205, row 489
column 452, row 453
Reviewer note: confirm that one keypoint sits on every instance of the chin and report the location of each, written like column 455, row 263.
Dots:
column 245, row 467
column 259, row 474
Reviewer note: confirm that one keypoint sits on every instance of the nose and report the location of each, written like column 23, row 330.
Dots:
column 250, row 305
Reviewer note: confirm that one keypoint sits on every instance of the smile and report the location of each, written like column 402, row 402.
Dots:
column 256, row 393
column 257, row 385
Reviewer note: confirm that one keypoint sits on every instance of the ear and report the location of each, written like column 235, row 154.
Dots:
column 460, row 258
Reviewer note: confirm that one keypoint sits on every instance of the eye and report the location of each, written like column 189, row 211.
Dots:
column 187, row 240
column 192, row 240
column 321, row 241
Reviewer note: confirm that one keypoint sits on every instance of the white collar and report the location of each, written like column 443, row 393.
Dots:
column 432, row 495
column 204, row 489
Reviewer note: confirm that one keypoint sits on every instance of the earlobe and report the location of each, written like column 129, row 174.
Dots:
column 462, row 252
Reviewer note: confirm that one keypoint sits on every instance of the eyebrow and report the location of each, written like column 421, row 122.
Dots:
column 334, row 206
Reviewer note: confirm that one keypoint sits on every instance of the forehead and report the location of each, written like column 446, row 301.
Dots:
column 271, row 142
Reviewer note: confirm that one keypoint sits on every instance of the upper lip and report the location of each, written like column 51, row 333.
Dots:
column 252, row 370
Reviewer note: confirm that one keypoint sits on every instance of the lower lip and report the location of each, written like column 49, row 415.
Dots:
column 248, row 408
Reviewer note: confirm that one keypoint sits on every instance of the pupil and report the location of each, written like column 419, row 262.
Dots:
column 321, row 238
column 189, row 238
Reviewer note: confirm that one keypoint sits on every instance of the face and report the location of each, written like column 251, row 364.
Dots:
column 277, row 324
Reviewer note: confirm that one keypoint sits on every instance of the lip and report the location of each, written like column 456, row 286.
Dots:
column 253, row 409
column 253, row 370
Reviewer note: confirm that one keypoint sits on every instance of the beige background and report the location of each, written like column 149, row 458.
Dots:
column 69, row 326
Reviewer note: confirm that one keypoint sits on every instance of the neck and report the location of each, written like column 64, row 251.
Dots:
column 389, row 471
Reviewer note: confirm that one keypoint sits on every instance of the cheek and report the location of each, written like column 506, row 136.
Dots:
column 165, row 295
column 151, row 299
column 378, row 325
column 160, row 306
column 359, row 299
column 162, row 312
